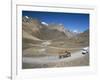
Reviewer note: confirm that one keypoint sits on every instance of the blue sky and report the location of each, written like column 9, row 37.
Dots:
column 77, row 22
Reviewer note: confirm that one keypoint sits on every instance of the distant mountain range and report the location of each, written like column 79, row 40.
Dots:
column 45, row 31
column 35, row 31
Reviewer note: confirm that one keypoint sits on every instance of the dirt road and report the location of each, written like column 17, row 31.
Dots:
column 51, row 59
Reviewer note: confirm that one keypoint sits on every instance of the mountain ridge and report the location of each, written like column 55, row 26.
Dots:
column 39, row 31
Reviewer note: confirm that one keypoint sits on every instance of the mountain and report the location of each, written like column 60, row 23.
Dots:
column 37, row 32
column 60, row 28
column 43, row 39
column 44, row 31
column 82, row 38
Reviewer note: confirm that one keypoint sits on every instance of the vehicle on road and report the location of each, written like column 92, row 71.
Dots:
column 85, row 50
column 65, row 54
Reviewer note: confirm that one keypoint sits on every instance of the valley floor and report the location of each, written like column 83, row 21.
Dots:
column 76, row 59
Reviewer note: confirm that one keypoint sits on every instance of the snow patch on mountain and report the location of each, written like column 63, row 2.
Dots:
column 44, row 23
column 26, row 17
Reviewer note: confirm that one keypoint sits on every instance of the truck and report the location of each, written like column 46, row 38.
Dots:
column 64, row 54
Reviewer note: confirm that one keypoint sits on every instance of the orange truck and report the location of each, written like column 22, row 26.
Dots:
column 64, row 54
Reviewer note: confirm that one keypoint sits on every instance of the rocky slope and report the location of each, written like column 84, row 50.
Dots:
column 36, row 32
